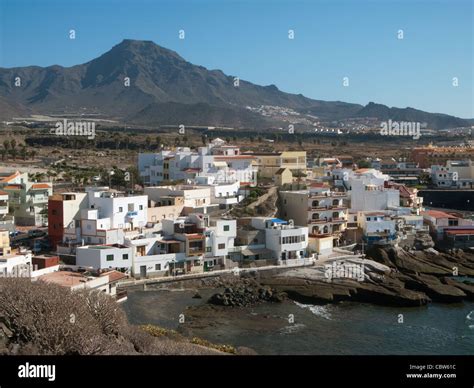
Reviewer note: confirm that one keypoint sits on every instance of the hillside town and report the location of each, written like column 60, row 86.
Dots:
column 216, row 208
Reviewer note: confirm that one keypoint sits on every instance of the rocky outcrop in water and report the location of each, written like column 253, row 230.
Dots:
column 246, row 293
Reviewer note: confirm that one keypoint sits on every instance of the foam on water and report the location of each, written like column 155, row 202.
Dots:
column 292, row 328
column 470, row 316
column 320, row 311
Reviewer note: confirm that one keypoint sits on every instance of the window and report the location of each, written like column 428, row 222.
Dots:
column 221, row 246
column 226, row 228
column 110, row 258
column 120, row 209
column 125, row 256
column 208, row 249
column 54, row 212
column 157, row 267
column 140, row 207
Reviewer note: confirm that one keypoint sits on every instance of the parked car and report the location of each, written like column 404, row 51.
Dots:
column 16, row 233
column 36, row 233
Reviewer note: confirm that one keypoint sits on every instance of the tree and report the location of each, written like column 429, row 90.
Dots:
column 6, row 145
column 13, row 153
column 23, row 152
column 363, row 164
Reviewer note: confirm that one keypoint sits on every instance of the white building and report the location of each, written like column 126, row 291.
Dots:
column 29, row 200
column 6, row 220
column 195, row 197
column 455, row 174
column 286, row 241
column 124, row 212
column 377, row 226
column 224, row 163
column 105, row 256
column 109, row 218
column 105, row 282
column 220, row 237
column 16, row 264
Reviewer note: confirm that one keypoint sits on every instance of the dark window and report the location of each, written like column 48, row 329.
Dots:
column 125, row 256
column 110, row 257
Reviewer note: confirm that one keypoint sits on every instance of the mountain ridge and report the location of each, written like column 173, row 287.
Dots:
column 159, row 76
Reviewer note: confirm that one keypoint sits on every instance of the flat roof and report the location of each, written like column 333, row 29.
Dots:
column 64, row 278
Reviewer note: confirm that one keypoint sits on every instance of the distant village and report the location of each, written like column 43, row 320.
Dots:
column 216, row 208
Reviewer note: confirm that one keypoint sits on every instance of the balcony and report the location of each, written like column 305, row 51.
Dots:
column 327, row 220
column 328, row 195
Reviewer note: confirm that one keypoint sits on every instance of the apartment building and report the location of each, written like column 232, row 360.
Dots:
column 188, row 232
column 454, row 174
column 63, row 211
column 194, row 197
column 377, row 227
column 27, row 200
column 114, row 256
column 408, row 196
column 439, row 222
column 223, row 162
column 370, row 193
column 220, row 239
column 430, row 155
column 285, row 241
column 165, row 207
column 109, row 218
column 324, row 211
column 13, row 263
column 7, row 221
column 269, row 163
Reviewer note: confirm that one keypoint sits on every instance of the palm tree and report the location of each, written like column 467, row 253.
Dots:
column 13, row 143
column 6, row 145
column 32, row 154
column 23, row 152
column 3, row 151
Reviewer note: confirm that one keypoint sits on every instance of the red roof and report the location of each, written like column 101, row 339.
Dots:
column 10, row 177
column 114, row 275
column 12, row 187
column 319, row 184
column 3, row 193
column 41, row 186
column 437, row 214
column 460, row 231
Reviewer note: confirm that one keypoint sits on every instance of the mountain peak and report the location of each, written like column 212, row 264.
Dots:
column 144, row 46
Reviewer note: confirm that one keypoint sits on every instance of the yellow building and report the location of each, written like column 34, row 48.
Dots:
column 283, row 177
column 4, row 242
column 269, row 163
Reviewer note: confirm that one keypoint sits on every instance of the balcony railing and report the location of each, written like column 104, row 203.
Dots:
column 326, row 220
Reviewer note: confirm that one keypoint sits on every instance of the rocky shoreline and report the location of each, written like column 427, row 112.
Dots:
column 392, row 277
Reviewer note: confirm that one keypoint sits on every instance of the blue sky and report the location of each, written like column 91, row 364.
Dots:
column 249, row 39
